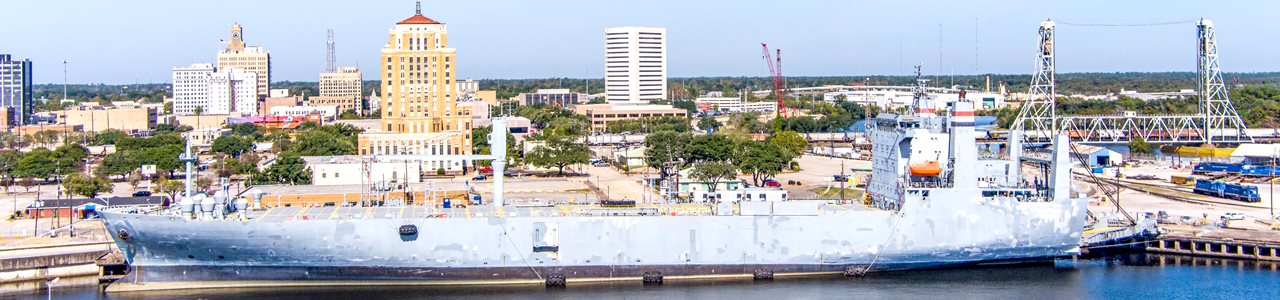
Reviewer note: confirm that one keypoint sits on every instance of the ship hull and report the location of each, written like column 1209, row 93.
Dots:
column 925, row 234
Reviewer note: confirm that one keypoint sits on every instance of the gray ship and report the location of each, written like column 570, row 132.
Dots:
column 935, row 203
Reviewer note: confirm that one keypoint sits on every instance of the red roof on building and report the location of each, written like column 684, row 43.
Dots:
column 418, row 19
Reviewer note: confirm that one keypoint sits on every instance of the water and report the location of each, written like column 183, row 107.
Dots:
column 1128, row 277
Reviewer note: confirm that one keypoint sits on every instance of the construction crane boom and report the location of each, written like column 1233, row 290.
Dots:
column 775, row 71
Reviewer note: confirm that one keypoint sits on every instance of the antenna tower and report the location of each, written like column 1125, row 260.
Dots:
column 330, row 63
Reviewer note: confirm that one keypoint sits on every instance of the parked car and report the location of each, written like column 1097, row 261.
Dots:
column 1234, row 216
column 480, row 177
column 142, row 194
column 772, row 183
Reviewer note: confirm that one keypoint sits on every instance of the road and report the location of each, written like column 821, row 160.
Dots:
column 815, row 171
column 616, row 185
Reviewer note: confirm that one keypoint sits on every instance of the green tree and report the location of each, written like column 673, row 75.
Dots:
column 246, row 129
column 134, row 179
column 247, row 164
column 70, row 158
column 709, row 123
column 480, row 146
column 165, row 158
column 790, row 142
column 761, row 160
column 109, row 137
column 710, row 147
column 232, row 145
column 171, row 187
column 712, row 172
column 120, row 163
column 168, row 128
column 287, row 169
column 335, row 139
column 349, row 114
column 667, row 146
column 8, row 163
column 558, row 151
column 203, row 183
column 1139, row 145
column 38, row 163
column 85, row 185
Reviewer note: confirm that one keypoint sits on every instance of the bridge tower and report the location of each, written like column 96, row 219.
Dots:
column 1222, row 122
column 1216, row 121
column 1038, row 114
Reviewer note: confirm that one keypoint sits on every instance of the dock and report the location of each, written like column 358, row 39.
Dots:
column 1236, row 244
column 27, row 269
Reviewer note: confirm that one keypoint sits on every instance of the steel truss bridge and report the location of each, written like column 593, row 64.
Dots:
column 1216, row 122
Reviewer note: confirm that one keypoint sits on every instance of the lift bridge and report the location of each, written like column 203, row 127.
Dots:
column 1216, row 122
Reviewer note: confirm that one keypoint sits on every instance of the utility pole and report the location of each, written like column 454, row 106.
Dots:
column 842, row 180
column 64, row 80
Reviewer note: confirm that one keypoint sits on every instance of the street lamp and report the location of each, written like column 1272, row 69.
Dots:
column 1275, row 152
column 49, row 283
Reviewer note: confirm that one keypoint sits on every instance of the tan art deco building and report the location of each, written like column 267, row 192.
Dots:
column 418, row 74
column 342, row 88
column 249, row 58
column 420, row 112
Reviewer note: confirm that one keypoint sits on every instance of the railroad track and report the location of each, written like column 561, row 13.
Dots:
column 1166, row 192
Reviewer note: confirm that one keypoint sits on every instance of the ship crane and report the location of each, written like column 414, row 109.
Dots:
column 775, row 71
column 497, row 150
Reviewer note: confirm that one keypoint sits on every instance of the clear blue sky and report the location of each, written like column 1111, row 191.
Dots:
column 140, row 41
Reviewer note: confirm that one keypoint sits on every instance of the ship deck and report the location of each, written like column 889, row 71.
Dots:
column 485, row 211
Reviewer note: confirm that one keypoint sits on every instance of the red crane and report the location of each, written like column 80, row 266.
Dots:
column 775, row 70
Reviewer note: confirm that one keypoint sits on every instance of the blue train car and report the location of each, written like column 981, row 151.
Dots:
column 1233, row 191
column 1262, row 171
column 1241, row 192
column 1210, row 167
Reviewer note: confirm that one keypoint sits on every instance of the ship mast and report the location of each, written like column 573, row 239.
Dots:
column 920, row 104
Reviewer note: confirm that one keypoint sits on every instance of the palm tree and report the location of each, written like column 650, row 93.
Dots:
column 199, row 110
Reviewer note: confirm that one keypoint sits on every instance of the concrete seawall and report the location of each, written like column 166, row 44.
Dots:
column 27, row 269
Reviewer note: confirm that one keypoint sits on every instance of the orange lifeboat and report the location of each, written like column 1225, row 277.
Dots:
column 926, row 169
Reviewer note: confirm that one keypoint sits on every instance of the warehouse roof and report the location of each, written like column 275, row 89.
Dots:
column 1256, row 150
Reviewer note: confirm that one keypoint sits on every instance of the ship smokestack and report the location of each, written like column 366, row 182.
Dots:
column 498, row 149
column 1060, row 175
column 1015, row 155
column 964, row 145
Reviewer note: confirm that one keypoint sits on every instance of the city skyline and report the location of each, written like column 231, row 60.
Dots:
column 511, row 40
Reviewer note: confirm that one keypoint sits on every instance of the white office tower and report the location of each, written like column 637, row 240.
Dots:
column 214, row 92
column 233, row 90
column 635, row 64
column 15, row 90
column 191, row 88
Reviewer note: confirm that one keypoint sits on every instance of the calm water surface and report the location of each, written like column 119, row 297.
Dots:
column 1129, row 277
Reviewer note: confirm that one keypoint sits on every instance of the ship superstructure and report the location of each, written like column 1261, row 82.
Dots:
column 922, row 151
column 936, row 204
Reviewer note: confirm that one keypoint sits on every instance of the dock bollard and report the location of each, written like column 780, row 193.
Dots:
column 556, row 280
column 762, row 274
column 853, row 271
column 652, row 277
